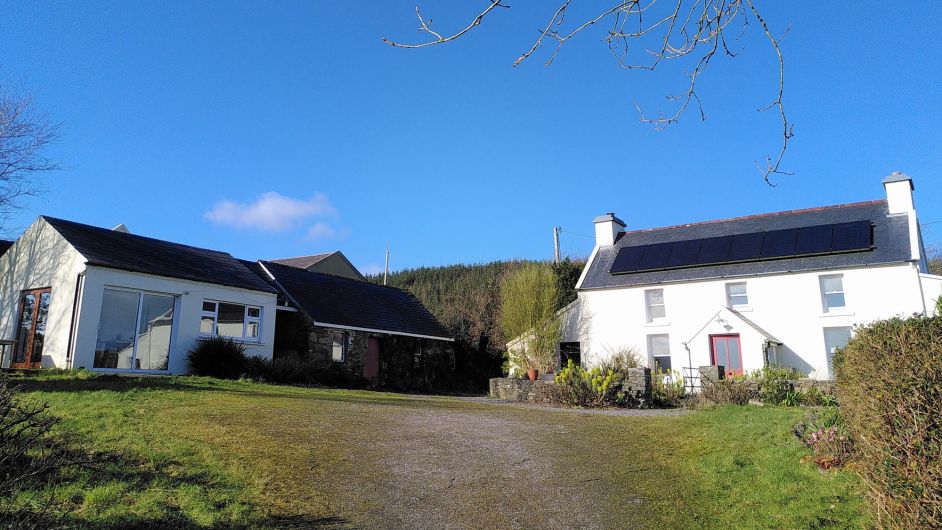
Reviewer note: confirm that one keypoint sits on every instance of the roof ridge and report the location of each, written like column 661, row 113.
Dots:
column 345, row 278
column 757, row 216
column 305, row 256
column 138, row 236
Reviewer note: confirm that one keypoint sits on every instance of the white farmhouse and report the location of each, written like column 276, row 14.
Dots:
column 782, row 288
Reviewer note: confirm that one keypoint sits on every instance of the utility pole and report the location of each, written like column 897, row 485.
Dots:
column 556, row 244
column 386, row 269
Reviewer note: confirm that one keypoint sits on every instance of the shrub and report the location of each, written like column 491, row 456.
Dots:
column 218, row 357
column 667, row 389
column 775, row 384
column 291, row 370
column 825, row 433
column 889, row 381
column 589, row 388
column 29, row 456
column 621, row 360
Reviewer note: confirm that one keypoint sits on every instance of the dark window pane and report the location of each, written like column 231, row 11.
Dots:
column 209, row 307
column 39, row 335
column 26, row 327
column 662, row 364
column 231, row 320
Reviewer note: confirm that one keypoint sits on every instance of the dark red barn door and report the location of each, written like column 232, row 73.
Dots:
column 371, row 363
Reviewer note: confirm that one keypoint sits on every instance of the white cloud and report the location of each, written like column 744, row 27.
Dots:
column 372, row 268
column 270, row 212
column 320, row 231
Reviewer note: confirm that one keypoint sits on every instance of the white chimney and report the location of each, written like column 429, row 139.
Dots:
column 899, row 200
column 607, row 228
column 899, row 192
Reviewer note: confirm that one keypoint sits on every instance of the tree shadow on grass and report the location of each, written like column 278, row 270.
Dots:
column 60, row 506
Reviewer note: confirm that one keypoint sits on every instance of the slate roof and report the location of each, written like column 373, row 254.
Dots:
column 130, row 252
column 304, row 262
column 4, row 245
column 890, row 238
column 341, row 301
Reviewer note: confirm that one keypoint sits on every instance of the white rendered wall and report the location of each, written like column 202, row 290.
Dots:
column 787, row 306
column 931, row 290
column 187, row 312
column 40, row 258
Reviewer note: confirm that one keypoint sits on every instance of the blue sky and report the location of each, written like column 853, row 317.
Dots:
column 280, row 129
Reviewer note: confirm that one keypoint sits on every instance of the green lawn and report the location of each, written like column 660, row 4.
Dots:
column 192, row 452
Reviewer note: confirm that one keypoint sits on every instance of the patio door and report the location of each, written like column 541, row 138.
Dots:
column 727, row 352
column 31, row 333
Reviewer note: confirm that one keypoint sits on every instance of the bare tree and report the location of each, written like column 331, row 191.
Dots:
column 641, row 34
column 24, row 135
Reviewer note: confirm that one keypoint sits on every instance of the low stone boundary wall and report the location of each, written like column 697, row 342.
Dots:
column 712, row 373
column 637, row 384
column 510, row 389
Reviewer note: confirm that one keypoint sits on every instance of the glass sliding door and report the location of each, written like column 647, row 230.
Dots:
column 134, row 331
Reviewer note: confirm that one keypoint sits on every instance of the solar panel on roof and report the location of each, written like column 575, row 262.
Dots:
column 655, row 256
column 627, row 260
column 754, row 246
column 856, row 235
column 714, row 250
column 814, row 239
column 746, row 247
column 779, row 243
column 684, row 253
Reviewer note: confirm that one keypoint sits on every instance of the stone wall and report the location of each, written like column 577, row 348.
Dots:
column 712, row 373
column 637, row 384
column 510, row 389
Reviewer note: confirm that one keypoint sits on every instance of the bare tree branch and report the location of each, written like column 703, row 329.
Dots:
column 426, row 27
column 694, row 29
column 24, row 136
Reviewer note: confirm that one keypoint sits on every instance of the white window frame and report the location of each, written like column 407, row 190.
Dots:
column 174, row 326
column 246, row 319
column 648, row 306
column 651, row 355
column 344, row 345
column 730, row 296
column 824, row 293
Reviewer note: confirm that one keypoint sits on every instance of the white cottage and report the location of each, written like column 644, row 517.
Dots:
column 782, row 288
column 79, row 296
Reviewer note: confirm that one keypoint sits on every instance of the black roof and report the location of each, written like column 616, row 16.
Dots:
column 129, row 252
column 890, row 245
column 341, row 301
column 4, row 245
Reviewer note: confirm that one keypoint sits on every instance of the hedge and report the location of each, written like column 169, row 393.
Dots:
column 889, row 383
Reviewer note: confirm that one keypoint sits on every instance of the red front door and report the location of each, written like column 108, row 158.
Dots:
column 727, row 352
column 31, row 333
column 371, row 363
